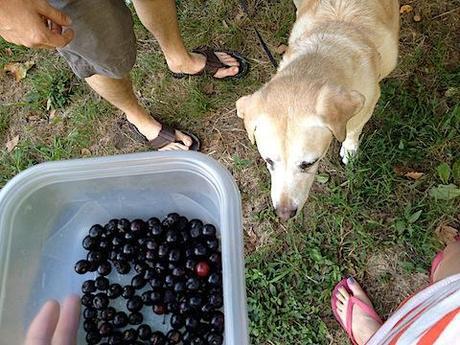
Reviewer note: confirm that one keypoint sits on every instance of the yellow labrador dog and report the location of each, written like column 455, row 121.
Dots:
column 327, row 86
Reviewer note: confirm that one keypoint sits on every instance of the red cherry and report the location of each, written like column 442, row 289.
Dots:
column 202, row 269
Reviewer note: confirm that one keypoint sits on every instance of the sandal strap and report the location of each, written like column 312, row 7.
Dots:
column 367, row 309
column 166, row 136
column 213, row 63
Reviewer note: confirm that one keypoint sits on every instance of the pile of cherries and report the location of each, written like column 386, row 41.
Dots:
column 175, row 268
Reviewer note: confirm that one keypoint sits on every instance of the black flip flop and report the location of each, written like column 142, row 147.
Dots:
column 213, row 64
column 166, row 136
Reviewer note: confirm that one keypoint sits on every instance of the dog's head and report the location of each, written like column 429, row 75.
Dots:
column 293, row 125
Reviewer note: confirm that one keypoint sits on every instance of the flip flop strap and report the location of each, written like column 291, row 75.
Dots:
column 213, row 63
column 365, row 308
column 166, row 136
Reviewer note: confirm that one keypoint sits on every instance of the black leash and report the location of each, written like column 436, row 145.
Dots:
column 245, row 7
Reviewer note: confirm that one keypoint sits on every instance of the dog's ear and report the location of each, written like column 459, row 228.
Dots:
column 336, row 105
column 246, row 109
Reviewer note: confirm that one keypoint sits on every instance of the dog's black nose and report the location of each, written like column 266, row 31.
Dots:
column 285, row 213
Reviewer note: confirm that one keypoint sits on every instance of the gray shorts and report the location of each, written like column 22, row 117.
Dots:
column 104, row 41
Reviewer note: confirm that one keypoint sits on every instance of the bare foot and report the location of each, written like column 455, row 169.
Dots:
column 196, row 63
column 149, row 127
column 363, row 326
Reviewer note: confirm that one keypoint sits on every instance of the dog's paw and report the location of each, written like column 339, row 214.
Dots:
column 348, row 151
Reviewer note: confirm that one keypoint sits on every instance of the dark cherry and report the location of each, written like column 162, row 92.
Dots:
column 193, row 284
column 108, row 314
column 102, row 283
column 179, row 287
column 153, row 221
column 89, row 243
column 157, row 338
column 163, row 251
column 187, row 337
column 150, row 255
column 147, row 298
column 177, row 321
column 196, row 223
column 89, row 313
column 190, row 264
column 120, row 320
column 130, row 335
column 138, row 282
column 134, row 303
column 212, row 244
column 172, row 307
column 197, row 340
column 174, row 255
column 104, row 268
column 184, row 307
column 122, row 267
column 116, row 338
column 93, row 337
column 170, row 220
column 195, row 301
column 215, row 279
column 178, row 272
column 90, row 326
column 151, row 245
column 129, row 236
column 124, row 225
column 156, row 296
column 105, row 245
column 216, row 301
column 149, row 274
column 118, row 241
column 169, row 296
column 93, row 266
column 100, row 301
column 206, row 311
column 160, row 268
column 156, row 282
column 105, row 329
column 169, row 281
column 114, row 291
column 184, row 237
column 172, row 236
column 95, row 256
column 88, row 286
column 200, row 249
column 215, row 339
column 96, row 231
column 140, row 267
column 112, row 255
column 128, row 292
column 87, row 300
column 202, row 269
column 156, row 230
column 189, row 253
column 215, row 259
column 191, row 323
column 135, row 318
column 174, row 337
column 145, row 332
column 209, row 230
column 217, row 321
column 182, row 223
column 82, row 266
column 159, row 309
column 138, row 227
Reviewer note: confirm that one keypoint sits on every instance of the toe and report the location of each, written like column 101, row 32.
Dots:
column 174, row 147
column 342, row 291
column 227, row 59
column 226, row 72
column 357, row 291
column 341, row 298
column 184, row 138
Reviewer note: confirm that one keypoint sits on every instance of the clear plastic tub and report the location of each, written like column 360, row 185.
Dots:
column 46, row 210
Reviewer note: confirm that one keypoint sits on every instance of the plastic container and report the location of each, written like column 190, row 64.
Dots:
column 46, row 211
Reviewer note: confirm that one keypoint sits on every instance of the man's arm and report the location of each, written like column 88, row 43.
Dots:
column 34, row 24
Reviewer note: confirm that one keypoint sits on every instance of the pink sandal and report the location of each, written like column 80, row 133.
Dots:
column 437, row 260
column 353, row 301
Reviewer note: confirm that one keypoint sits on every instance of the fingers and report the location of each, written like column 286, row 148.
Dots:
column 42, row 327
column 67, row 326
column 54, row 15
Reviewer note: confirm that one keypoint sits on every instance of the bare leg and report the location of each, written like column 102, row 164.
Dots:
column 160, row 18
column 119, row 92
column 450, row 263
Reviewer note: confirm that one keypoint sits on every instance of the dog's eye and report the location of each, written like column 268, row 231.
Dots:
column 269, row 162
column 304, row 166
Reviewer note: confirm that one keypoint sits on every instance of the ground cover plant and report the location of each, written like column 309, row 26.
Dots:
column 381, row 218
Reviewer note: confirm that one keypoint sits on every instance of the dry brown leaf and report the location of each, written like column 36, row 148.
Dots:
column 406, row 9
column 11, row 144
column 209, row 89
column 281, row 49
column 85, row 152
column 19, row 69
column 414, row 175
column 400, row 170
column 417, row 18
column 446, row 233
column 8, row 52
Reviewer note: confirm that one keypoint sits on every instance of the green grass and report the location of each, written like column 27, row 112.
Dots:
column 362, row 211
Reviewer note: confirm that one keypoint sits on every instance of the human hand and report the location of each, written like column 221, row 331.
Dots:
column 55, row 325
column 34, row 24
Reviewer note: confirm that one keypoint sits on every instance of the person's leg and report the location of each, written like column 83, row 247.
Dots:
column 363, row 326
column 119, row 92
column 450, row 263
column 160, row 18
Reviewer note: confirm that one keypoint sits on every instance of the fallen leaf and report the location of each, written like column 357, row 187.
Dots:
column 19, row 69
column 444, row 172
column 414, row 175
column 322, row 178
column 281, row 49
column 85, row 152
column 11, row 144
column 446, row 233
column 406, row 9
column 445, row 192
column 400, row 170
column 417, row 18
column 209, row 89
column 9, row 52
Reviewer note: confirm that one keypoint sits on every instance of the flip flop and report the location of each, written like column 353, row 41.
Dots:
column 352, row 302
column 213, row 64
column 166, row 136
column 437, row 261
